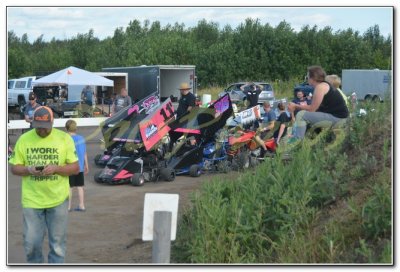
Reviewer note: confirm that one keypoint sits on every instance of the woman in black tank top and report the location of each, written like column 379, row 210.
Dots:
column 327, row 108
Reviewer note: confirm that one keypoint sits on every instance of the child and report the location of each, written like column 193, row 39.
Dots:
column 78, row 180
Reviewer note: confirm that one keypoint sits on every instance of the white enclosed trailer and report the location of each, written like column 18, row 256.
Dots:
column 162, row 79
column 367, row 84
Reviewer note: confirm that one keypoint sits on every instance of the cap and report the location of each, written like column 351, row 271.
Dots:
column 42, row 118
column 184, row 86
column 32, row 95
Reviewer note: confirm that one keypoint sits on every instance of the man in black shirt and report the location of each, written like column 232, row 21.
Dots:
column 187, row 100
column 252, row 92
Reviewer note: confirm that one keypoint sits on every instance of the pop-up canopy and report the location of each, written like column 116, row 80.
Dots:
column 73, row 76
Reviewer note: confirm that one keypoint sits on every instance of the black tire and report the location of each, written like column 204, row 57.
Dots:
column 21, row 102
column 167, row 174
column 137, row 180
column 194, row 170
column 96, row 159
column 253, row 161
column 224, row 166
column 97, row 177
column 376, row 99
column 243, row 160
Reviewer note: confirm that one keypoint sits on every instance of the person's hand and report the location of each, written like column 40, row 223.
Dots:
column 291, row 107
column 49, row 170
column 86, row 169
column 32, row 170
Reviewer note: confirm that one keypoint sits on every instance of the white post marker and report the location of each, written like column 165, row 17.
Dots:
column 161, row 209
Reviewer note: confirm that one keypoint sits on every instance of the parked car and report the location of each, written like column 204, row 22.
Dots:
column 237, row 95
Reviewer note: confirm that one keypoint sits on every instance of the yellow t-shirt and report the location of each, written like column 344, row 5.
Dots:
column 58, row 148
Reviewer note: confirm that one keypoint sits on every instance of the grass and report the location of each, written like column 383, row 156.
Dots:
column 321, row 207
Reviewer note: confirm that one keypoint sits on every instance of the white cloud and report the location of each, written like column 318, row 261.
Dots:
column 67, row 22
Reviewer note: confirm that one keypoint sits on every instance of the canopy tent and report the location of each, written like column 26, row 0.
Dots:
column 73, row 76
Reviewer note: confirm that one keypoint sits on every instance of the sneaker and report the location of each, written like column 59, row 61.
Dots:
column 78, row 209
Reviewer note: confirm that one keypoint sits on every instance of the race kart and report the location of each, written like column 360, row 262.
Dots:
column 123, row 126
column 143, row 158
column 202, row 125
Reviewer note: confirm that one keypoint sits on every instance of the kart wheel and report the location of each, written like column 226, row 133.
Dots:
column 167, row 174
column 224, row 166
column 137, row 180
column 243, row 160
column 97, row 177
column 253, row 161
column 194, row 170
column 96, row 159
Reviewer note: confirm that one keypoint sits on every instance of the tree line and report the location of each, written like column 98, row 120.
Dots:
column 251, row 51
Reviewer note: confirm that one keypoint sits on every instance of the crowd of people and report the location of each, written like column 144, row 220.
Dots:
column 52, row 162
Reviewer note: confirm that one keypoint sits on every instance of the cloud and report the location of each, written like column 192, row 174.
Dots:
column 67, row 22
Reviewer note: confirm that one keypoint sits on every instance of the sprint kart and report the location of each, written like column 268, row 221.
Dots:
column 118, row 129
column 144, row 150
column 212, row 150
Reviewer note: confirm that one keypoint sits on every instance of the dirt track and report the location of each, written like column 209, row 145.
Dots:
column 110, row 230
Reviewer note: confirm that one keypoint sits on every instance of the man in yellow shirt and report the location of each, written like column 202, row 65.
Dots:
column 45, row 157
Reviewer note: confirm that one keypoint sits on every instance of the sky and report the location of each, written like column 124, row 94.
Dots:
column 66, row 22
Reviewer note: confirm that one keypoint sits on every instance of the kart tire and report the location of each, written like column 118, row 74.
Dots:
column 96, row 159
column 167, row 174
column 194, row 170
column 224, row 166
column 253, row 161
column 97, row 177
column 243, row 160
column 137, row 180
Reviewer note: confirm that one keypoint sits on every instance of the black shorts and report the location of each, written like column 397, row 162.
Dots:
column 76, row 180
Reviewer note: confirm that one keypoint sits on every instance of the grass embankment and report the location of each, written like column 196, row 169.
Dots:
column 321, row 207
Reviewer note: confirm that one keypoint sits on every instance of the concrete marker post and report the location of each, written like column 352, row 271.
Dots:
column 161, row 237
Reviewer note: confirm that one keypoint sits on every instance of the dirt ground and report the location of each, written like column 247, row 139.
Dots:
column 110, row 230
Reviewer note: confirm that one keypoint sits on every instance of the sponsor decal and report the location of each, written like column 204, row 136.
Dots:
column 150, row 103
column 222, row 104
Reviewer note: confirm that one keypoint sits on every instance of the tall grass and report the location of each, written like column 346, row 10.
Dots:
column 315, row 208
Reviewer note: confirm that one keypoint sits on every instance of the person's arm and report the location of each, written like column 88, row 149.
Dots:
column 27, row 118
column 26, row 115
column 65, row 170
column 281, row 130
column 191, row 103
column 113, row 105
column 22, row 170
column 86, row 164
column 244, row 86
column 271, row 125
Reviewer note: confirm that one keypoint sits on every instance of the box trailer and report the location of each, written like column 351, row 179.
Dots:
column 367, row 84
column 162, row 79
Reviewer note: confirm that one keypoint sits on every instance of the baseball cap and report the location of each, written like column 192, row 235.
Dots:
column 42, row 118
column 32, row 95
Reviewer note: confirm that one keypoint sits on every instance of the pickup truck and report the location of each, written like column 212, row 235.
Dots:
column 18, row 91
